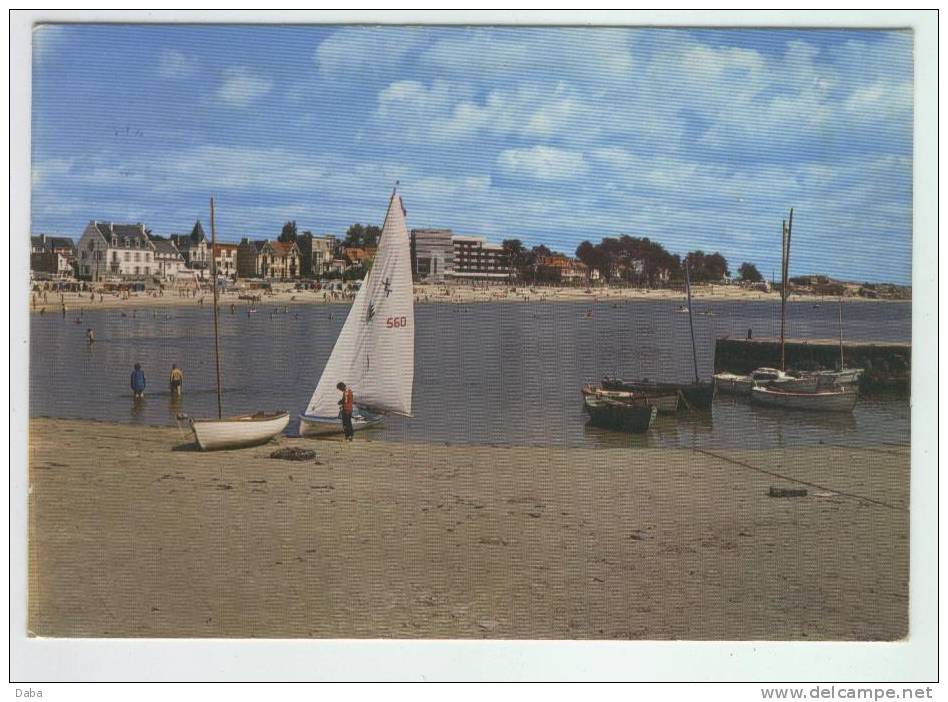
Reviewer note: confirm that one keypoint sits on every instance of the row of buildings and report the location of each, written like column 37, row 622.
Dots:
column 110, row 251
column 107, row 251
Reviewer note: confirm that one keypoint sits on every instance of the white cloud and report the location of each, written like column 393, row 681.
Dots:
column 543, row 163
column 241, row 87
column 365, row 51
column 175, row 64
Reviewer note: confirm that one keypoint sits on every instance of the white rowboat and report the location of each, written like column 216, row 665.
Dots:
column 842, row 400
column 238, row 432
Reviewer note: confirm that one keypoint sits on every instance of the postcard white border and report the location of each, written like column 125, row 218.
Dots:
column 231, row 660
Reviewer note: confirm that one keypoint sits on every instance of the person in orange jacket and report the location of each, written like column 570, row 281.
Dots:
column 345, row 404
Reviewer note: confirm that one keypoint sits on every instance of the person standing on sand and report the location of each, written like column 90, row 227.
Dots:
column 177, row 378
column 345, row 405
column 138, row 381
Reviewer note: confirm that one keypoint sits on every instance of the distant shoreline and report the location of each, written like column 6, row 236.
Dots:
column 424, row 294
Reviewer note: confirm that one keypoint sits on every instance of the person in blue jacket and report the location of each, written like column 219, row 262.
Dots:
column 138, row 381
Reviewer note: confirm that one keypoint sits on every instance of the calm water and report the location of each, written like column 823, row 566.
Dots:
column 500, row 373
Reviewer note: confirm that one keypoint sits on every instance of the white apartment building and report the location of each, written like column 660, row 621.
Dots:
column 108, row 250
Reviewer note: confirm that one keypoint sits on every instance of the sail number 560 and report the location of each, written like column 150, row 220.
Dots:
column 396, row 322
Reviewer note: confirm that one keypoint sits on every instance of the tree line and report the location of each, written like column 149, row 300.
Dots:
column 635, row 260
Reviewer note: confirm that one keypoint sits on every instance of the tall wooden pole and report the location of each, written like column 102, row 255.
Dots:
column 841, row 362
column 217, row 348
column 691, row 320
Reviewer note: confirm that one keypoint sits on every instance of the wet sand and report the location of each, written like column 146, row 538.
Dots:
column 135, row 534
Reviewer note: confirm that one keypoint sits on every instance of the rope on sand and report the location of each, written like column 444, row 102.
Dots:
column 736, row 462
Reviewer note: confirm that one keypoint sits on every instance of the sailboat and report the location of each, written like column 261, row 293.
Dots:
column 375, row 352
column 243, row 430
column 843, row 376
column 835, row 398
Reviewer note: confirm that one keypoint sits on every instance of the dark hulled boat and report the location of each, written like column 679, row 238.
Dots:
column 620, row 415
column 698, row 395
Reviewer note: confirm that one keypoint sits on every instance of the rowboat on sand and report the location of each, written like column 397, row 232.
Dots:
column 238, row 432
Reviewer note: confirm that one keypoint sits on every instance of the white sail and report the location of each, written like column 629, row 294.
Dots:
column 375, row 351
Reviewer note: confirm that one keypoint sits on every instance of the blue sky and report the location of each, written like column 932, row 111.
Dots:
column 694, row 138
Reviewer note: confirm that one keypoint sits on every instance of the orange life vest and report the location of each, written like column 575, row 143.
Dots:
column 347, row 401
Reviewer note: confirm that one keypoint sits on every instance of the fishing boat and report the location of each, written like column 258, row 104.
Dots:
column 665, row 403
column 243, row 430
column 737, row 384
column 697, row 395
column 843, row 376
column 838, row 400
column 620, row 415
column 375, row 352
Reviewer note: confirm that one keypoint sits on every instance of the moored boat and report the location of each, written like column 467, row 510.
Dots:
column 699, row 395
column 829, row 378
column 839, row 400
column 737, row 384
column 665, row 403
column 620, row 415
column 238, row 432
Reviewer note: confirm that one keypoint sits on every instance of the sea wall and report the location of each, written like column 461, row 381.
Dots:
column 886, row 364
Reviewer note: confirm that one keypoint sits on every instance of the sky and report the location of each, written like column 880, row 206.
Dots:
column 698, row 139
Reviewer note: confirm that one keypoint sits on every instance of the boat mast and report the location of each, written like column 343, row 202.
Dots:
column 691, row 320
column 785, row 267
column 217, row 348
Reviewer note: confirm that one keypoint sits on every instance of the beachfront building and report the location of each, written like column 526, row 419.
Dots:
column 316, row 253
column 432, row 254
column 194, row 248
column 561, row 269
column 168, row 260
column 108, row 250
column 52, row 255
column 225, row 259
column 474, row 258
column 355, row 255
column 268, row 259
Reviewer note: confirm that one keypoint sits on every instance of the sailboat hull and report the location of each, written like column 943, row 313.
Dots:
column 327, row 426
column 238, row 432
column 843, row 400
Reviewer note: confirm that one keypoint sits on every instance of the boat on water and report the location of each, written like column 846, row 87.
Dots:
column 831, row 378
column 665, row 403
column 620, row 415
column 699, row 395
column 243, row 430
column 375, row 351
column 737, row 384
column 837, row 400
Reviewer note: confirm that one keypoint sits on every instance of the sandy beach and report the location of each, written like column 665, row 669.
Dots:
column 133, row 533
column 455, row 294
